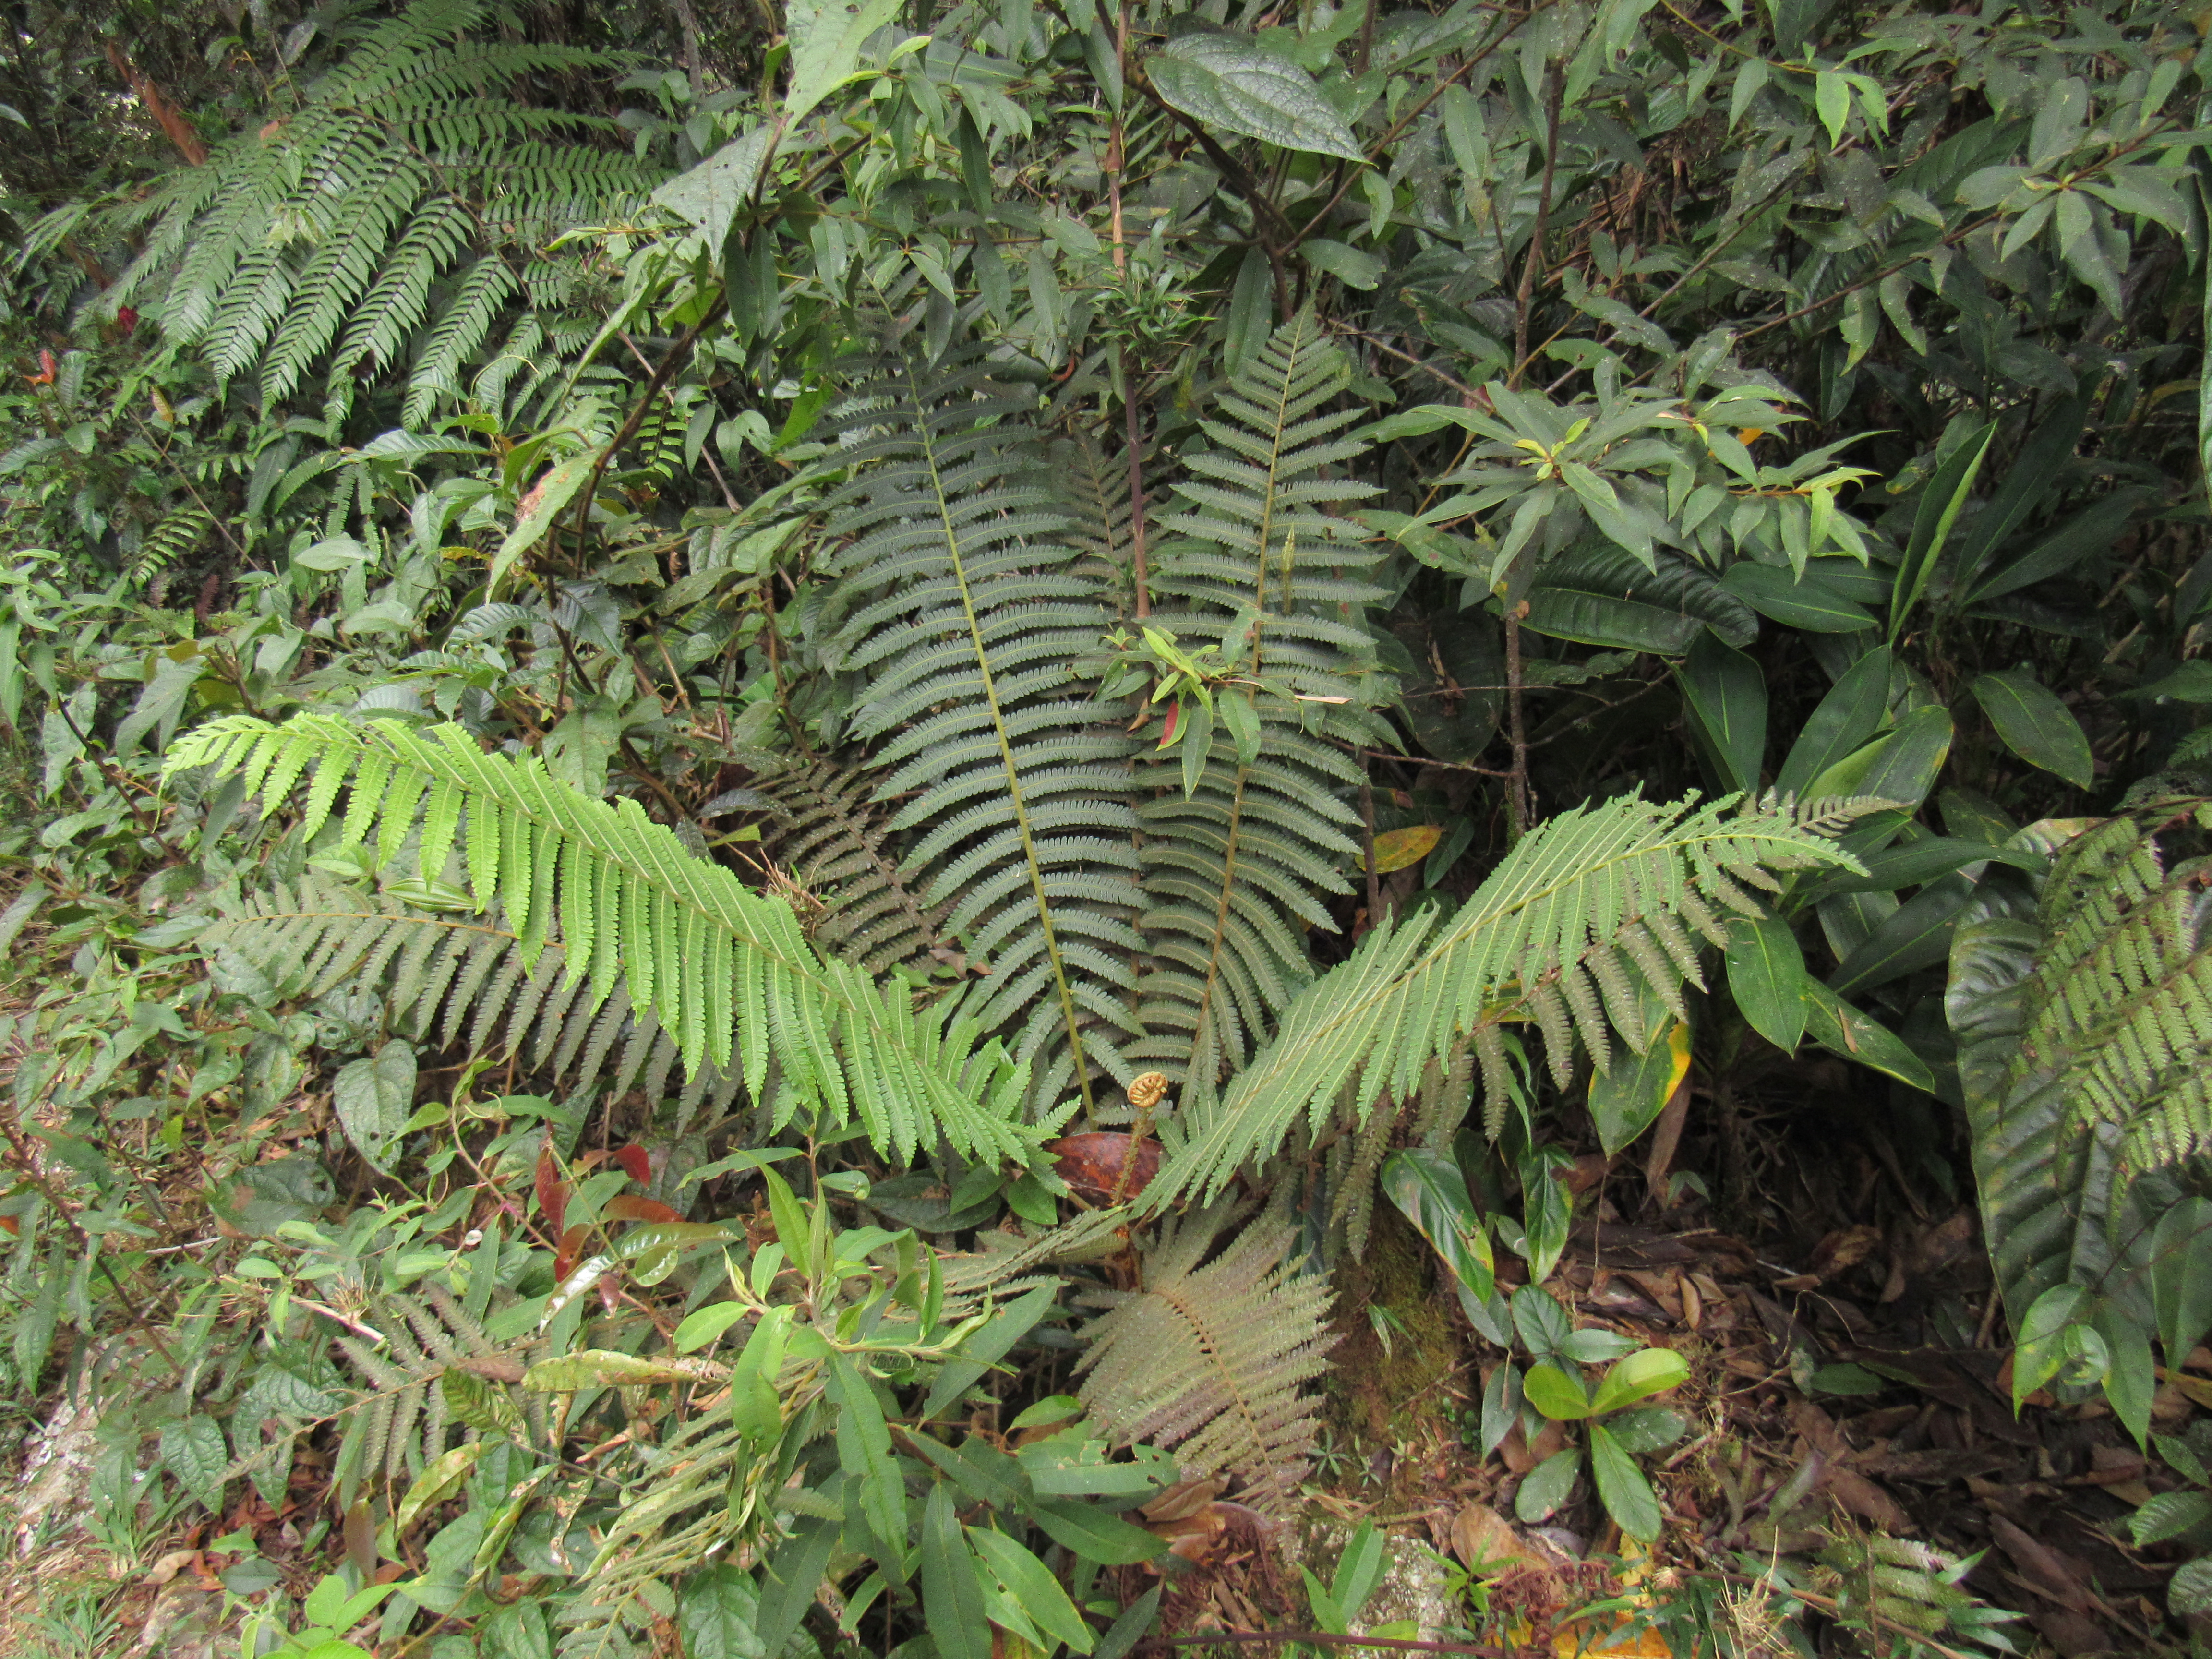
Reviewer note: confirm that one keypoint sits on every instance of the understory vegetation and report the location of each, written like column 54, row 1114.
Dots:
column 974, row 830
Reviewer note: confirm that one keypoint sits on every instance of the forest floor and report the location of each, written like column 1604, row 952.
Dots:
column 1848, row 1374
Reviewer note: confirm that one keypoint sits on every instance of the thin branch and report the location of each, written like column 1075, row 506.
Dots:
column 1535, row 260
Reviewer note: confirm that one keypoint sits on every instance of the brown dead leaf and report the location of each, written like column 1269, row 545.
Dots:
column 1184, row 1498
column 1481, row 1535
column 2052, row 1574
column 1845, row 1249
column 1094, row 1165
column 169, row 1567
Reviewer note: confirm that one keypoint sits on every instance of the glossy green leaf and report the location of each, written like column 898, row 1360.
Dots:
column 1547, row 1486
column 864, row 1449
column 1843, row 1029
column 1766, row 977
column 2181, row 1276
column 2036, row 726
column 1556, row 1394
column 1033, row 1588
column 1940, row 503
column 2039, row 1349
column 1091, row 1535
column 1602, row 596
column 1627, row 1098
column 826, row 37
column 1811, row 605
column 1429, row 1192
column 1724, row 699
column 1845, row 720
column 440, row 1478
column 1641, row 1375
column 1621, row 1488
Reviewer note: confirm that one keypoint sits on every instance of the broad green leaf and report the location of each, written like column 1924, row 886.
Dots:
column 1843, row 1029
column 826, row 37
column 374, row 1097
column 1621, row 1488
column 535, row 514
column 718, row 1613
column 1915, row 935
column 1429, row 1192
column 1556, row 1394
column 1602, row 596
column 1232, row 84
column 1811, row 606
column 2036, row 726
column 1725, row 698
column 1034, row 1590
column 1627, row 1098
column 1766, row 977
column 984, row 1473
column 863, row 1449
column 1348, row 264
column 1847, row 717
column 951, row 1598
column 794, row 1573
column 1091, row 1535
column 1547, row 1486
column 2039, row 1347
column 2131, row 1379
column 1643, row 1374
column 709, row 194
column 192, row 1450
column 706, row 1324
column 1134, row 1623
column 2181, row 1276
column 1941, row 502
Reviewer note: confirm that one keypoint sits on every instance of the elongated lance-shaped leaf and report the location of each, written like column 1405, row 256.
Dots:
column 1255, row 563
column 726, row 971
column 1587, row 904
column 966, row 614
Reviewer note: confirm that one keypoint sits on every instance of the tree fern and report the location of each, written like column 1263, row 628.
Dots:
column 321, row 238
column 1211, row 1358
column 725, row 971
column 965, row 618
column 1236, row 870
column 1589, row 902
column 2084, row 1018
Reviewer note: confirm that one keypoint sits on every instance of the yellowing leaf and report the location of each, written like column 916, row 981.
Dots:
column 1394, row 849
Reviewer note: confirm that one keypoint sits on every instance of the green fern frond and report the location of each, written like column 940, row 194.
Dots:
column 1236, row 870
column 449, row 979
column 178, row 534
column 1547, row 939
column 1213, row 1359
column 965, row 617
column 726, row 972
column 406, row 167
column 2085, row 1028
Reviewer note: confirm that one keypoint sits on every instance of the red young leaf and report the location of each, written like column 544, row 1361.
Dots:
column 572, row 1245
column 552, row 1191
column 633, row 1159
column 1168, row 731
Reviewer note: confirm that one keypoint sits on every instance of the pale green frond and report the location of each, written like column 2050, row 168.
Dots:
column 1515, row 949
column 727, row 972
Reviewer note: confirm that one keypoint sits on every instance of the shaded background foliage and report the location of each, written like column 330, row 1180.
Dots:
column 1374, row 433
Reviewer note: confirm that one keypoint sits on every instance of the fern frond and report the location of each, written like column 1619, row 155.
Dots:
column 826, row 830
column 460, row 331
column 2085, row 1028
column 1257, row 565
column 1213, row 1360
column 966, row 617
column 726, row 972
column 1540, row 940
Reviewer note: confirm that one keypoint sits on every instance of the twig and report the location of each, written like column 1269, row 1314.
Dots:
column 1428, row 368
